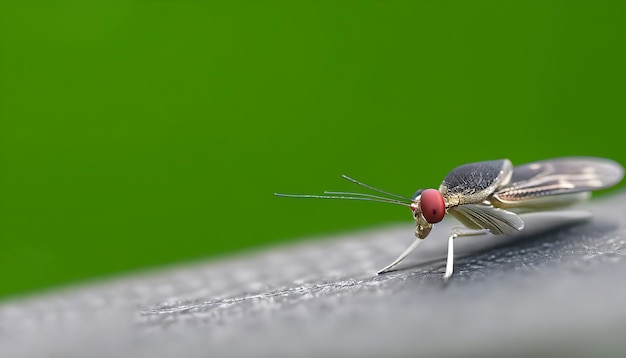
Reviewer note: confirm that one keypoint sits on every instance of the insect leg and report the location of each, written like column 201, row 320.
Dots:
column 402, row 256
column 454, row 233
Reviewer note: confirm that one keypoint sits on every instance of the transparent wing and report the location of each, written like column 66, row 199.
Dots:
column 497, row 221
column 559, row 176
column 473, row 183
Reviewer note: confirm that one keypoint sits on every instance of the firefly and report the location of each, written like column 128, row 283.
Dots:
column 491, row 197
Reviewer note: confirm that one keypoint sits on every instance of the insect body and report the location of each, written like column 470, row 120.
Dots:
column 492, row 196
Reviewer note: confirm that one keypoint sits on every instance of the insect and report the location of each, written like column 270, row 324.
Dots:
column 491, row 197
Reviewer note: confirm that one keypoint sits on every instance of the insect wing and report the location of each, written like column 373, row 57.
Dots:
column 479, row 216
column 559, row 176
column 473, row 183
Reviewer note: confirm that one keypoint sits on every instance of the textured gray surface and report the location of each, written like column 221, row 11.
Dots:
column 560, row 292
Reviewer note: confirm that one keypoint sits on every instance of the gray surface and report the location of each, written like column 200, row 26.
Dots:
column 560, row 292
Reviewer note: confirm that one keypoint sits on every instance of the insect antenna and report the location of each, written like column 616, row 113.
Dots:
column 364, row 197
column 375, row 189
column 360, row 194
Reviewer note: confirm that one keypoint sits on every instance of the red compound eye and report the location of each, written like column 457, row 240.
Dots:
column 432, row 205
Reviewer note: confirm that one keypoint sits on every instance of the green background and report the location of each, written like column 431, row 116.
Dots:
column 135, row 134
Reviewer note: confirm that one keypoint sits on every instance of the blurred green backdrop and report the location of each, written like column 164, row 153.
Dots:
column 135, row 134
